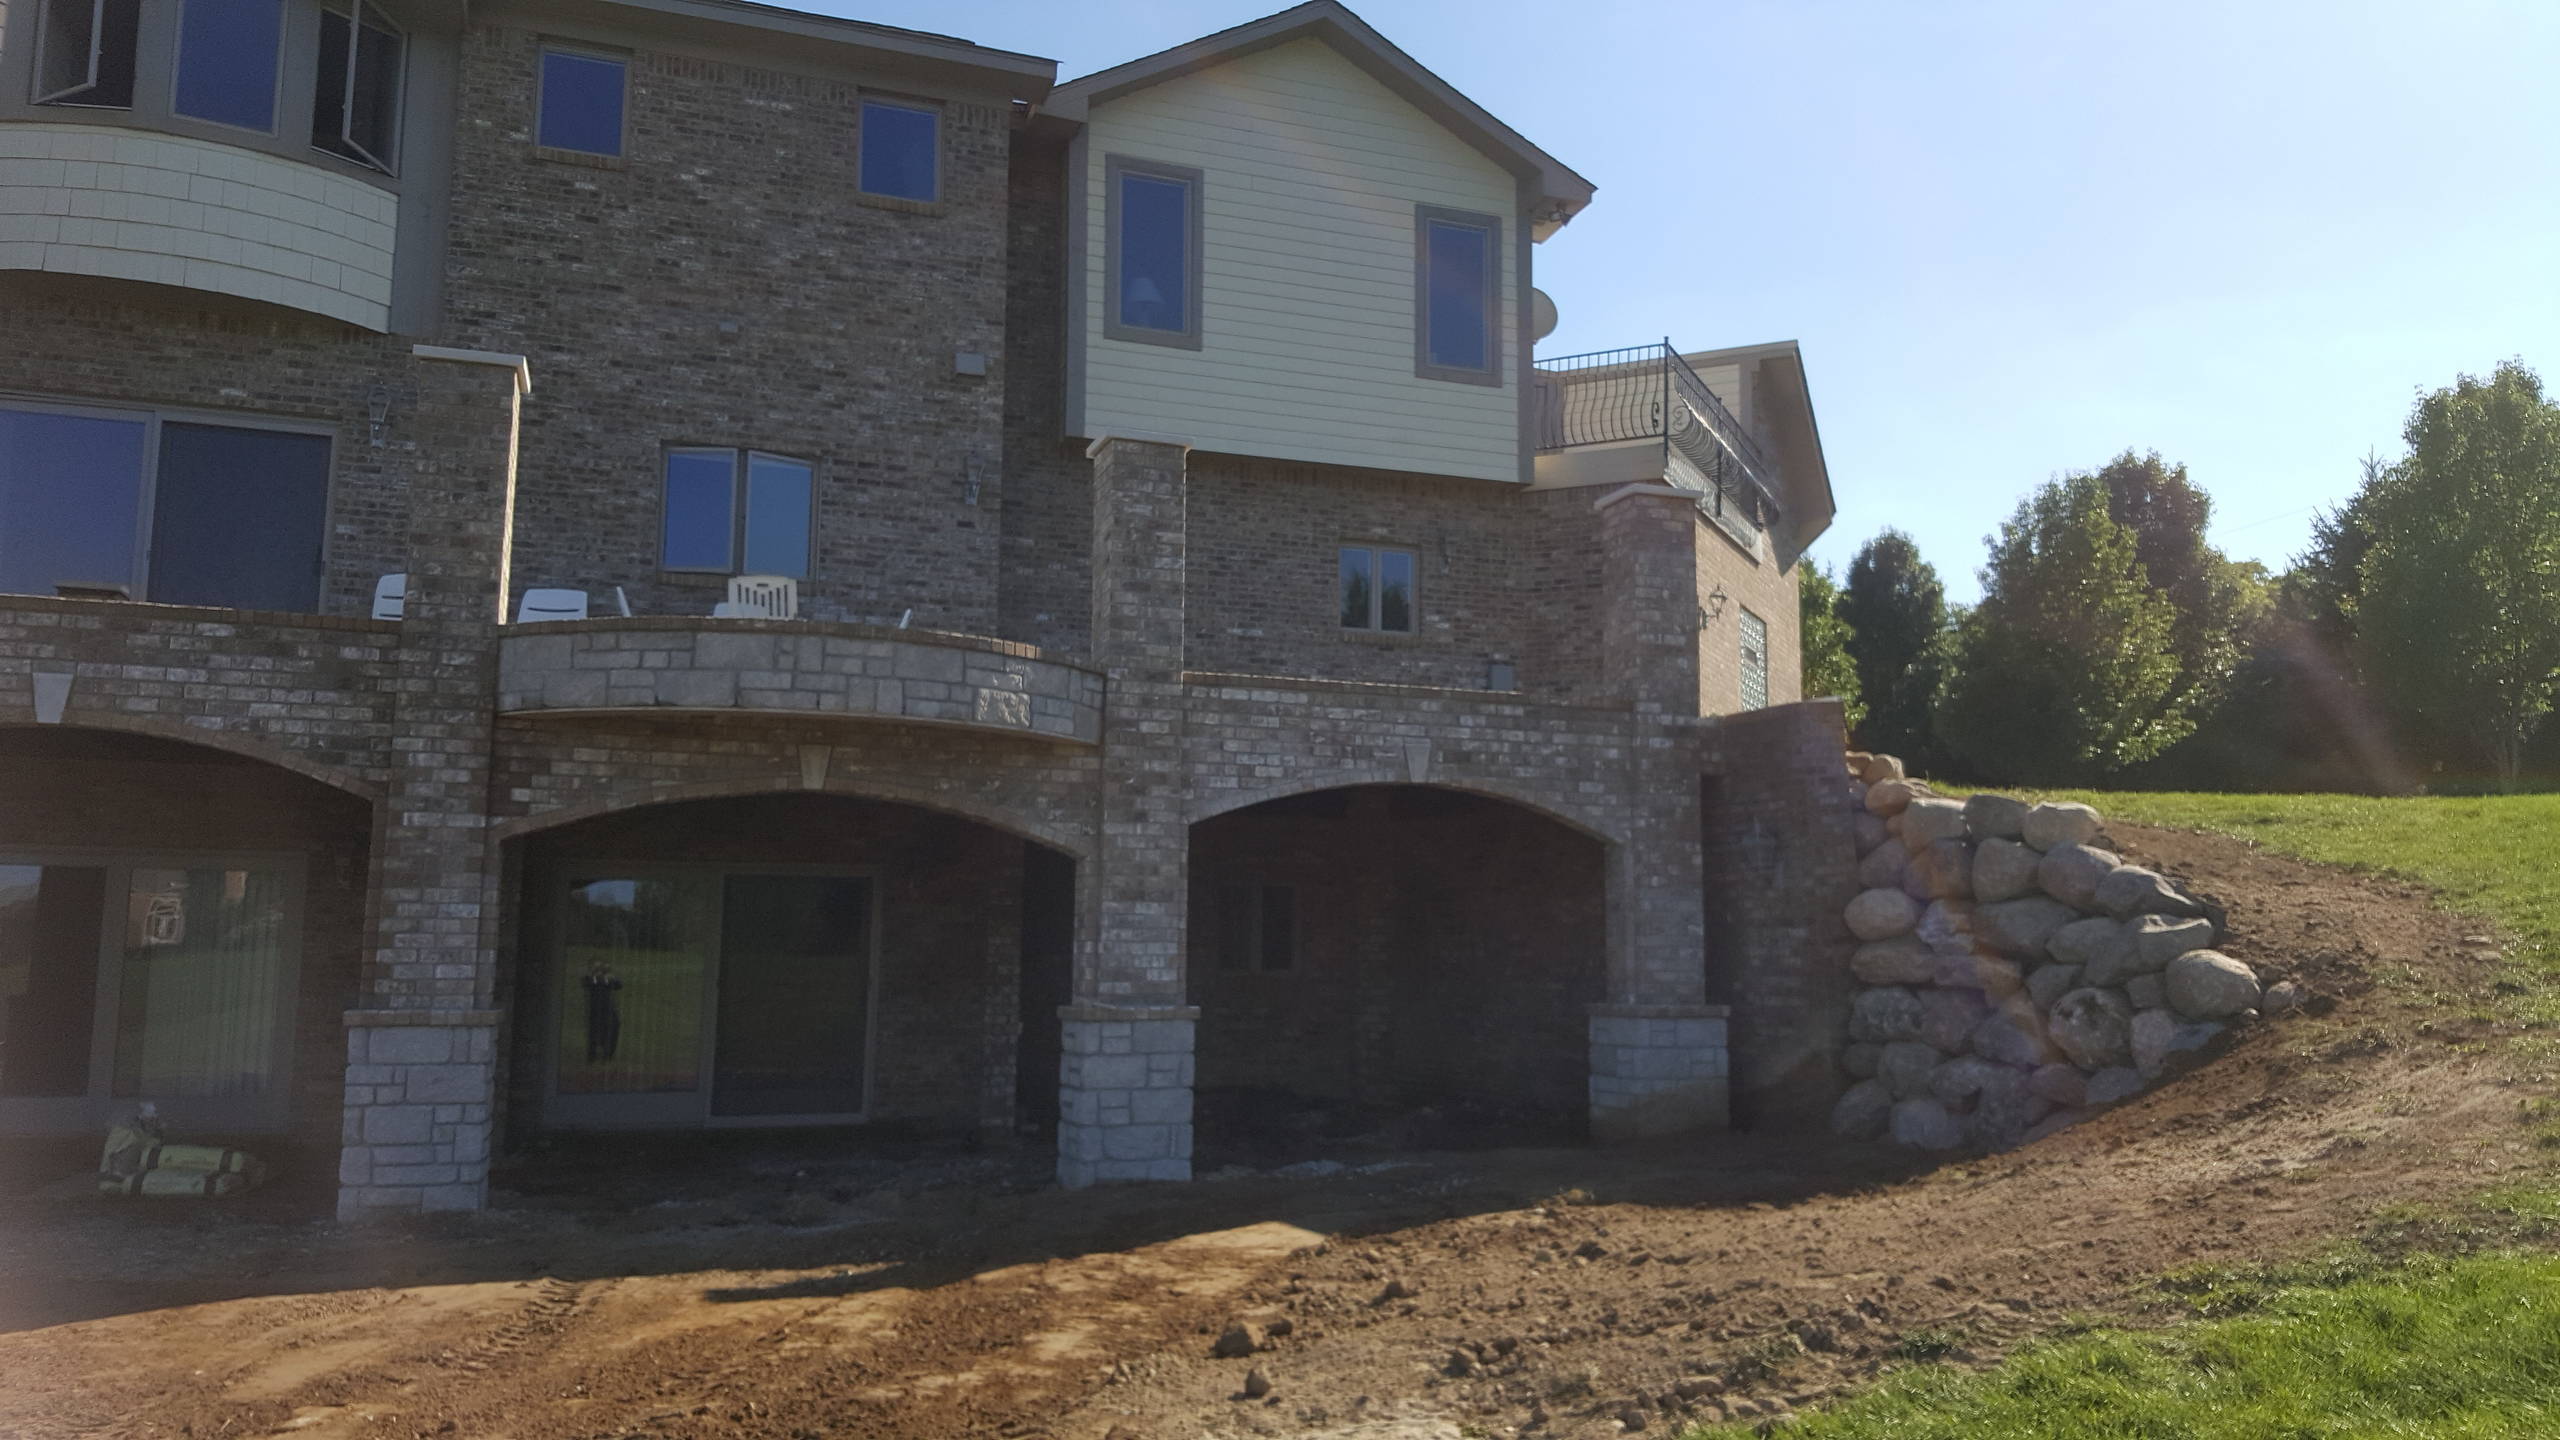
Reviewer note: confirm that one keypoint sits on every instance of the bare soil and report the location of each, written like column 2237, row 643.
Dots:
column 921, row 1293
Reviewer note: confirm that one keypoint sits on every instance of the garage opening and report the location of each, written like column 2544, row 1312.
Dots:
column 1385, row 967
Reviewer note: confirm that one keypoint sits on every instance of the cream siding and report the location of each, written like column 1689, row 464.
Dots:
column 1311, row 172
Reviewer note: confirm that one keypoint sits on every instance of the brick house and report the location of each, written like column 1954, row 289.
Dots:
column 1225, row 663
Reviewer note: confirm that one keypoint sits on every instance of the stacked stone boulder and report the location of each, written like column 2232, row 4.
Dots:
column 2013, row 975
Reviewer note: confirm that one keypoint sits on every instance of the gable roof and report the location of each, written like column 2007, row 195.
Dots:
column 1561, row 192
column 1783, row 407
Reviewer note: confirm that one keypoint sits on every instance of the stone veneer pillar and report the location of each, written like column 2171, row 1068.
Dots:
column 422, row 1046
column 1658, row 1061
column 1125, row 1079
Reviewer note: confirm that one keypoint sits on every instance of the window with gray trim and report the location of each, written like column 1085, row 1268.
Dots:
column 355, row 93
column 84, row 52
column 900, row 151
column 582, row 100
column 1151, row 236
column 1755, row 662
column 230, row 53
column 736, row 512
column 1376, row 589
column 1457, row 285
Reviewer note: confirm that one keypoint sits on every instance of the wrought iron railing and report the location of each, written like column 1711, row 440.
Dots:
column 1647, row 392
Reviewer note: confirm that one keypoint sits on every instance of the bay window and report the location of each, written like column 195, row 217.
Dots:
column 84, row 52
column 355, row 96
column 228, row 54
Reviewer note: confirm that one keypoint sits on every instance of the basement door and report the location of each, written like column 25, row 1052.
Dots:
column 713, row 996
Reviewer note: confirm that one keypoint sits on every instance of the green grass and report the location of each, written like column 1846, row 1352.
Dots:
column 2467, row 1347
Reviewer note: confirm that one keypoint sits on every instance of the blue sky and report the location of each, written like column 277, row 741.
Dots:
column 2014, row 239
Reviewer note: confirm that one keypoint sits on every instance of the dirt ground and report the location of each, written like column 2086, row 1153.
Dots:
column 919, row 1292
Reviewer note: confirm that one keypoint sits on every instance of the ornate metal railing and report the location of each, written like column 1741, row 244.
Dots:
column 1647, row 392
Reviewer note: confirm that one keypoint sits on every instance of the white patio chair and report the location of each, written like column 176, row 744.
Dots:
column 391, row 596
column 552, row 605
column 622, row 602
column 760, row 597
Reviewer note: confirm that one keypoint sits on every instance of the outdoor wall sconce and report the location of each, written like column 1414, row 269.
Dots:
column 969, row 486
column 1713, row 610
column 377, row 411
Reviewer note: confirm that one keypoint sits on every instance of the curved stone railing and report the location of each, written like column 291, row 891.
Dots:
column 658, row 664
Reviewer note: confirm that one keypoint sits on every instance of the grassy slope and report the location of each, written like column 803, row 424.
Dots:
column 2463, row 1347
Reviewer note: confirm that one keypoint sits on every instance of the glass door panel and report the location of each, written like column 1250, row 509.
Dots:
column 636, row 958
column 203, row 984
column 49, row 932
column 795, row 996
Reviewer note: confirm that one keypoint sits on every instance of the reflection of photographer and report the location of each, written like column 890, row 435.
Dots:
column 604, row 1012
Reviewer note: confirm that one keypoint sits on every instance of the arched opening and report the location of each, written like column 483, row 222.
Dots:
column 1394, row 966
column 783, row 959
column 179, row 924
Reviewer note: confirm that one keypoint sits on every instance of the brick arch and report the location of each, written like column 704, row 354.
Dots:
column 1226, row 801
column 855, row 788
column 232, row 742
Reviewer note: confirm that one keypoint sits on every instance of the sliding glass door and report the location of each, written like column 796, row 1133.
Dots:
column 693, row 996
column 163, row 979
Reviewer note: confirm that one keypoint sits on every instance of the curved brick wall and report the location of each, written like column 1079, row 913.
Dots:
column 96, row 200
column 681, row 663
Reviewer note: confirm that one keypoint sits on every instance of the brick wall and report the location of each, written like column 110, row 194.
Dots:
column 1045, row 591
column 723, row 286
column 1766, row 591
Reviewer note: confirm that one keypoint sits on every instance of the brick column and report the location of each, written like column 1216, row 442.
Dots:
column 422, row 1044
column 1657, row 1048
column 1124, row 1104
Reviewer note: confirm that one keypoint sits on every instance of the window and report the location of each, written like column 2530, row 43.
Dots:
column 1755, row 662
column 355, row 97
column 1377, row 589
column 84, row 52
column 129, row 504
column 1257, row 927
column 737, row 512
column 228, row 53
column 581, row 103
column 1152, row 232
column 901, row 151
column 1457, row 275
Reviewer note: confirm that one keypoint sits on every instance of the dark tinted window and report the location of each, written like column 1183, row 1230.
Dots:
column 86, row 52
column 227, row 55
column 701, row 508
column 1460, row 270
column 355, row 101
column 238, row 517
column 1155, row 258
column 70, row 501
column 581, row 103
column 899, row 149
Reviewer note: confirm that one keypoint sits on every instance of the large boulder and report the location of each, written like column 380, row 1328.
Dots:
column 1946, row 924
column 2092, row 1026
column 2070, row 874
column 2209, row 985
column 1994, row 817
column 1882, row 914
column 2064, row 1085
column 1926, row 822
column 1885, row 1014
column 2012, row 1035
column 1947, row 1017
column 2159, row 939
column 2048, row 983
column 2003, row 1109
column 2052, row 824
column 1997, row 977
column 1925, row 1125
column 1958, row 1081
column 1883, row 867
column 1888, row 797
column 1859, row 1059
column 1942, row 870
column 2165, row 1045
column 2020, row 927
column 2099, row 945
column 1902, row 960
column 2116, row 1082
column 1870, row 830
column 2003, row 870
column 1907, row 1067
column 1876, row 768
column 1862, row 1112
column 2130, row 890
column 2147, row 992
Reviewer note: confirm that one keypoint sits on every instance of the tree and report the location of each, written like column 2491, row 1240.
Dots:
column 1896, row 611
column 2217, row 601
column 2457, row 609
column 1823, row 643
column 2065, row 673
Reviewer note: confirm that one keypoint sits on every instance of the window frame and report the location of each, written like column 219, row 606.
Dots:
column 41, row 40
column 356, row 10
column 276, row 106
column 1424, row 368
column 547, row 46
column 741, row 462
column 917, row 105
column 1742, row 646
column 1257, row 927
column 1115, row 169
column 1377, row 589
column 146, row 506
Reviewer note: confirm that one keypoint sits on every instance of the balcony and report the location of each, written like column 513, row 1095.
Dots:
column 1642, row 415
column 658, row 665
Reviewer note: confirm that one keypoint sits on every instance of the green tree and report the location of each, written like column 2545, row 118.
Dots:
column 2457, row 609
column 2065, row 673
column 2218, row 602
column 1823, row 642
column 1896, row 611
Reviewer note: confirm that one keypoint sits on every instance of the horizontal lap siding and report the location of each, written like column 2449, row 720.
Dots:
column 1311, row 171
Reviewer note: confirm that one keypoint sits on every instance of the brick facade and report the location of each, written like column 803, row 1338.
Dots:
column 1117, row 652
